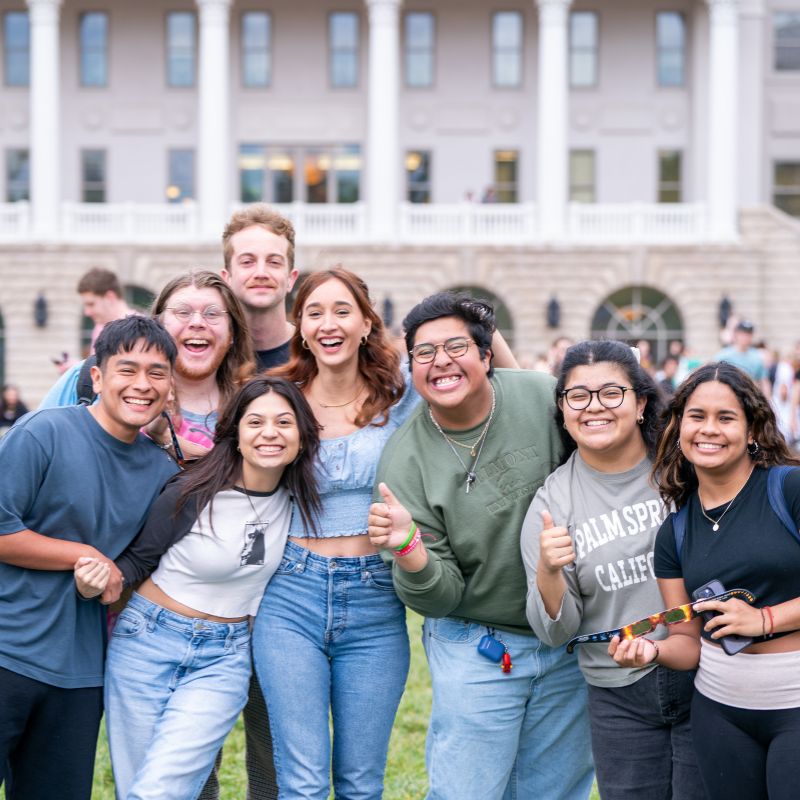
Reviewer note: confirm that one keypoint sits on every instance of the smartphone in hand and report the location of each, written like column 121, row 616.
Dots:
column 733, row 643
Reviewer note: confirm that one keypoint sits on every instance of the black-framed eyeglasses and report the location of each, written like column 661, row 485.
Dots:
column 648, row 624
column 213, row 315
column 455, row 347
column 579, row 397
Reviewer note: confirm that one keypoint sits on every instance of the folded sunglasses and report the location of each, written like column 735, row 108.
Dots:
column 669, row 617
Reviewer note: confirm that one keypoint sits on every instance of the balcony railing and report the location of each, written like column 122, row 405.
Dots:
column 348, row 223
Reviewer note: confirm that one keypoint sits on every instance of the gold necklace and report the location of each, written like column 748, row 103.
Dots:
column 339, row 405
column 715, row 522
column 471, row 447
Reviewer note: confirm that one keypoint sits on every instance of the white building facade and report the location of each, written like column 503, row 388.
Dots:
column 622, row 157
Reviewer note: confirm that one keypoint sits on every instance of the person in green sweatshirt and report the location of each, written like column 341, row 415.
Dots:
column 454, row 483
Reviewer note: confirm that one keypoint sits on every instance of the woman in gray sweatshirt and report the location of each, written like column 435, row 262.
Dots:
column 587, row 544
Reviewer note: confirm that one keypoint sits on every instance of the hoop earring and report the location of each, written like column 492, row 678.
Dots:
column 752, row 449
column 364, row 340
column 304, row 344
column 640, row 421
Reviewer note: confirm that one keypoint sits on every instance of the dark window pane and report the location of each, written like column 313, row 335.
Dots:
column 669, row 176
column 17, row 175
column 180, row 48
column 505, row 175
column 181, row 176
column 16, row 41
column 507, row 48
column 93, row 176
column 251, row 173
column 256, row 42
column 786, row 25
column 418, row 176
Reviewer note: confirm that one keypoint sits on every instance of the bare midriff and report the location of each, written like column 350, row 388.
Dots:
column 337, row 546
column 151, row 592
column 785, row 644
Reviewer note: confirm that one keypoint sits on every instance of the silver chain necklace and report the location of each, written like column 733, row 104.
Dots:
column 470, row 471
column 262, row 526
column 715, row 522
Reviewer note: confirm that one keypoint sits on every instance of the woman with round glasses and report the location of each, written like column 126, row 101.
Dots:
column 718, row 462
column 587, row 544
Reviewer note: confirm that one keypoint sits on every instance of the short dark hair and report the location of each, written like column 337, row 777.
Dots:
column 99, row 281
column 122, row 335
column 478, row 315
column 644, row 387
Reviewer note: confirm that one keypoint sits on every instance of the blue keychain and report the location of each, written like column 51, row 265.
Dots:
column 495, row 650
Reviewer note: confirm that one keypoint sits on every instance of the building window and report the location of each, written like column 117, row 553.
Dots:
column 581, row 176
column 583, row 49
column 273, row 174
column 669, row 176
column 93, row 28
column 786, row 187
column 507, row 48
column 181, row 48
column 256, row 49
column 181, row 176
column 18, row 178
column 506, row 164
column 16, row 48
column 670, row 48
column 786, row 25
column 418, row 176
column 93, row 176
column 420, row 31
column 343, row 46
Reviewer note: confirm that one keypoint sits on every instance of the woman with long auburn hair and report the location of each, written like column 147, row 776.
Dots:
column 725, row 467
column 331, row 621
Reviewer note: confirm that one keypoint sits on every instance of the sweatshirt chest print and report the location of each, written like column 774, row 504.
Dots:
column 629, row 521
column 512, row 477
column 253, row 552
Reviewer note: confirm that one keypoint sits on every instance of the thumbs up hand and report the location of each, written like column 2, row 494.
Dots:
column 389, row 521
column 555, row 546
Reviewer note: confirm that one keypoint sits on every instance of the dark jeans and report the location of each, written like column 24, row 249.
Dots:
column 747, row 754
column 48, row 737
column 642, row 741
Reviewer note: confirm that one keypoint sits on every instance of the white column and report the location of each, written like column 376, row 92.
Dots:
column 213, row 117
column 553, row 141
column 45, row 129
column 751, row 112
column 383, row 139
column 723, row 88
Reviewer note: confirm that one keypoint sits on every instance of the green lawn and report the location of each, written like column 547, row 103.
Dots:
column 405, row 773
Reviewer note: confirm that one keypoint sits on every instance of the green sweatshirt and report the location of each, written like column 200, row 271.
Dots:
column 474, row 567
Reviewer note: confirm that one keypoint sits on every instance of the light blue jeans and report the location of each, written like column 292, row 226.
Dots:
column 498, row 736
column 330, row 641
column 174, row 688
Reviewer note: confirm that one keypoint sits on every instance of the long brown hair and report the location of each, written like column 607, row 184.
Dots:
column 674, row 474
column 222, row 466
column 378, row 361
column 238, row 364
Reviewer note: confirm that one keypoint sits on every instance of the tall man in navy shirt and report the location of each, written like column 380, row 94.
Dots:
column 77, row 482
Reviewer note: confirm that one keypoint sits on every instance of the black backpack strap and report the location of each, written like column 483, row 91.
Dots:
column 84, row 387
column 775, row 480
column 679, row 529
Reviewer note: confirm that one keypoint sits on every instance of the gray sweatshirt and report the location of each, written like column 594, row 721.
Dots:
column 613, row 519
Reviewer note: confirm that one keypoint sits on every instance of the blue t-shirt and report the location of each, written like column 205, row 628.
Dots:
column 64, row 476
column 750, row 361
column 64, row 392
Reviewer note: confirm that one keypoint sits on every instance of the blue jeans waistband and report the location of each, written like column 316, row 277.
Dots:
column 326, row 564
column 193, row 626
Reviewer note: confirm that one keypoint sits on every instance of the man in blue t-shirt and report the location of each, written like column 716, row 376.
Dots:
column 77, row 482
column 742, row 354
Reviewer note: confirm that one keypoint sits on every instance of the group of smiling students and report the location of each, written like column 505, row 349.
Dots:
column 293, row 464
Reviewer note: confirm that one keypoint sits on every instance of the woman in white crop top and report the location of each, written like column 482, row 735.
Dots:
column 178, row 663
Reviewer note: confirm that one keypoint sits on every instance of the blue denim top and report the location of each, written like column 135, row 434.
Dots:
column 345, row 472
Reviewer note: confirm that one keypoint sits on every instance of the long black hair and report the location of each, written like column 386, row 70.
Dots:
column 644, row 387
column 222, row 467
column 674, row 474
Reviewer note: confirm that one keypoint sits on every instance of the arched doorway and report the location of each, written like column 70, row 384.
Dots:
column 639, row 312
column 501, row 313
